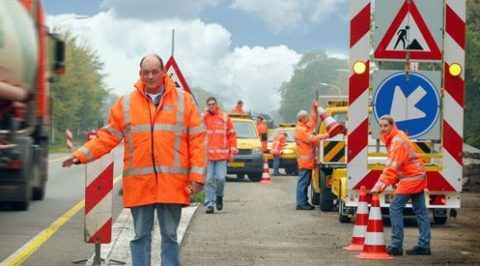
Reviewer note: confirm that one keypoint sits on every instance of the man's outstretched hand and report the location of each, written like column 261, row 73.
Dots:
column 70, row 160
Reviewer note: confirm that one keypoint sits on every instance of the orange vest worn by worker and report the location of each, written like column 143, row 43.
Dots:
column 262, row 135
column 164, row 145
column 306, row 142
column 404, row 167
column 237, row 109
column 278, row 144
column 222, row 140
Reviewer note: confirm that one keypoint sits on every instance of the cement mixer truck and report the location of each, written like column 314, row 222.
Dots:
column 25, row 67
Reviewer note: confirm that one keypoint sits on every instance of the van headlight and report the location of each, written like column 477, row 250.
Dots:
column 256, row 151
column 287, row 151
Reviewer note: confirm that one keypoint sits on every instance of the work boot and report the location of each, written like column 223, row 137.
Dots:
column 209, row 210
column 219, row 203
column 394, row 251
column 416, row 250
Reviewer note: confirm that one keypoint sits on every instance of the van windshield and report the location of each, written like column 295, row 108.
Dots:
column 245, row 129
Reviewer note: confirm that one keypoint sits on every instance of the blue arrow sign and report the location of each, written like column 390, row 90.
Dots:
column 412, row 100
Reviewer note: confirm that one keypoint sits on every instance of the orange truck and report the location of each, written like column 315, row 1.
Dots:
column 25, row 113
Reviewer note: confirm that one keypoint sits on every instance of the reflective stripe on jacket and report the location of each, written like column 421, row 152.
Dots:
column 278, row 144
column 164, row 145
column 306, row 142
column 222, row 139
column 404, row 167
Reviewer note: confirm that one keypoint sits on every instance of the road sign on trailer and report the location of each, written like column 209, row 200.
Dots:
column 414, row 32
column 173, row 71
column 411, row 99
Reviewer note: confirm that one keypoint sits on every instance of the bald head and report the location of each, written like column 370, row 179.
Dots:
column 152, row 58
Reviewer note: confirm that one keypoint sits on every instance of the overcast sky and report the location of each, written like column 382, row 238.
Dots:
column 236, row 49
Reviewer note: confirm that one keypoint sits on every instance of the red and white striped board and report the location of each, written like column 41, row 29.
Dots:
column 454, row 93
column 446, row 181
column 98, row 200
column 357, row 138
column 69, row 137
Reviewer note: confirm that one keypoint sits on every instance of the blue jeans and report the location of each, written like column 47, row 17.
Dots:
column 217, row 171
column 276, row 165
column 304, row 177
column 396, row 219
column 168, row 216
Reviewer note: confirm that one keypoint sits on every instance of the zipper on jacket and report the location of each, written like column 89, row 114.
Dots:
column 152, row 141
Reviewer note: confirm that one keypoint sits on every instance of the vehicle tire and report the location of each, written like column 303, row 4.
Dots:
column 315, row 198
column 39, row 191
column 326, row 203
column 240, row 176
column 440, row 220
column 25, row 149
column 255, row 177
column 341, row 217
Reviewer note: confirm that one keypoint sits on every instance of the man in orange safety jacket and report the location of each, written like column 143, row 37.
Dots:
column 277, row 146
column 164, row 160
column 222, row 146
column 306, row 142
column 406, row 171
column 238, row 108
column 262, row 132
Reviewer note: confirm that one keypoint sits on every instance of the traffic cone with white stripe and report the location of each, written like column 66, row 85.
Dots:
column 333, row 127
column 266, row 173
column 361, row 220
column 374, row 246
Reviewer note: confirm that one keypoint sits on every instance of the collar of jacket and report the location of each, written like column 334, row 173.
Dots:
column 168, row 85
column 387, row 138
column 218, row 113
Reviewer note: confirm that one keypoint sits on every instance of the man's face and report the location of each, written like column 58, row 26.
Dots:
column 212, row 106
column 152, row 74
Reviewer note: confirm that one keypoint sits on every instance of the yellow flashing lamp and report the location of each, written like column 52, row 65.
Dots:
column 455, row 69
column 359, row 67
column 240, row 115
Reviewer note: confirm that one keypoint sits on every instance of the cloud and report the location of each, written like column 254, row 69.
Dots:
column 289, row 15
column 203, row 52
column 157, row 10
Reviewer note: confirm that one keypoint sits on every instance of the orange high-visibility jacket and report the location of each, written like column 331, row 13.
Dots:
column 262, row 135
column 237, row 109
column 278, row 144
column 222, row 139
column 165, row 146
column 306, row 142
column 404, row 167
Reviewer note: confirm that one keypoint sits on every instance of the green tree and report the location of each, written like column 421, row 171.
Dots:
column 472, row 75
column 315, row 73
column 78, row 95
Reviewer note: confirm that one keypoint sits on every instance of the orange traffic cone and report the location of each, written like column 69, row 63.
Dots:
column 361, row 220
column 333, row 127
column 374, row 246
column 266, row 173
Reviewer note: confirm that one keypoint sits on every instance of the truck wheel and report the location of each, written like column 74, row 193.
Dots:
column 342, row 218
column 255, row 177
column 326, row 201
column 25, row 149
column 39, row 192
column 315, row 198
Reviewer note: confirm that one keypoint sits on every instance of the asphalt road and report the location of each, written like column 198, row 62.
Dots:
column 65, row 189
column 260, row 226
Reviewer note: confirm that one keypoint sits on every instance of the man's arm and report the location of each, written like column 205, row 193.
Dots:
column 107, row 138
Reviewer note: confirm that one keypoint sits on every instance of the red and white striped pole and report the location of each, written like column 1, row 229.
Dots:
column 454, row 92
column 69, row 137
column 98, row 200
column 359, row 82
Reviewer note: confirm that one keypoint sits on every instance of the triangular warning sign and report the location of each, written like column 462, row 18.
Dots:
column 173, row 71
column 408, row 36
